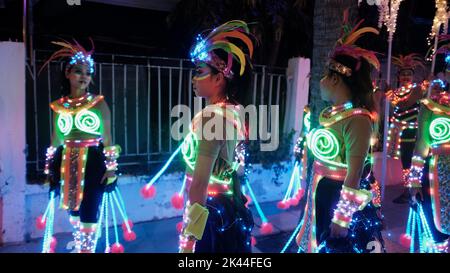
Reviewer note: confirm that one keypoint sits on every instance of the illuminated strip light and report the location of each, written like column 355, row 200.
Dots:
column 49, row 216
column 292, row 237
column 121, row 211
column 65, row 123
column 329, row 146
column 258, row 208
column 98, row 233
column 113, row 211
column 88, row 122
column 164, row 168
column 182, row 186
column 291, row 183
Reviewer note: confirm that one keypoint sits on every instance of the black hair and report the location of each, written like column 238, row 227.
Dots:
column 359, row 83
column 237, row 88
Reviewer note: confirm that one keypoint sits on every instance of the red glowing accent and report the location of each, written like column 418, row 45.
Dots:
column 129, row 235
column 249, row 200
column 177, row 201
column 283, row 204
column 130, row 224
column 253, row 241
column 405, row 240
column 266, row 228
column 117, row 248
column 148, row 192
column 53, row 243
column 41, row 222
column 179, row 226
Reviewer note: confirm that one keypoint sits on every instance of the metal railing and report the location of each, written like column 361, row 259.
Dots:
column 140, row 92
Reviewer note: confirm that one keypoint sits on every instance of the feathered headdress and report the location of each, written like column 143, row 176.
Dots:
column 408, row 62
column 74, row 51
column 346, row 46
column 218, row 38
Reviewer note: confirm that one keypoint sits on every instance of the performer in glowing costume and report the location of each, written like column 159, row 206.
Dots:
column 403, row 119
column 429, row 178
column 215, row 217
column 340, row 215
column 81, row 161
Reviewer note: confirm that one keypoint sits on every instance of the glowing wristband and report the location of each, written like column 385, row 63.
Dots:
column 416, row 172
column 351, row 200
column 48, row 157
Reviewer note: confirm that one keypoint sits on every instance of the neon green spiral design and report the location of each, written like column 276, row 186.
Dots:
column 323, row 144
column 65, row 123
column 88, row 121
column 189, row 150
column 440, row 130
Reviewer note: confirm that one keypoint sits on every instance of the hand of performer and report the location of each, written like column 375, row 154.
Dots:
column 108, row 177
column 414, row 191
column 336, row 231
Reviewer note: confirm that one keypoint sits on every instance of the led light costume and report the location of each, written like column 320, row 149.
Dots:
column 429, row 218
column 294, row 192
column 224, row 223
column 405, row 105
column 76, row 166
column 344, row 131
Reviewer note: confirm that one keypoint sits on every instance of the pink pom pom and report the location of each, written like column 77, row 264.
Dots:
column 51, row 250
column 405, row 240
column 40, row 222
column 53, row 243
column 129, row 235
column 283, row 204
column 266, row 228
column 177, row 201
column 179, row 226
column 253, row 241
column 249, row 200
column 300, row 194
column 148, row 192
column 117, row 248
column 130, row 224
column 294, row 202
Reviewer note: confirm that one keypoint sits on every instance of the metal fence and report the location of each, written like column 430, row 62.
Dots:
column 141, row 92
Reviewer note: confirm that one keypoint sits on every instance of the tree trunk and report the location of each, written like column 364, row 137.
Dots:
column 328, row 16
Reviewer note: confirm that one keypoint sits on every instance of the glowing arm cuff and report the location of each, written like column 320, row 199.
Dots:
column 111, row 153
column 351, row 200
column 48, row 158
column 416, row 172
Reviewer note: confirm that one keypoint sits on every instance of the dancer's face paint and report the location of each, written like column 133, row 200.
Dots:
column 202, row 82
column 79, row 76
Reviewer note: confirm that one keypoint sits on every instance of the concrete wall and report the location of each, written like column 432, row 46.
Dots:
column 12, row 141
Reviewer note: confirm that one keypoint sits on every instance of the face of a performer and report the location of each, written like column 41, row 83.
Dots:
column 328, row 85
column 206, row 84
column 405, row 77
column 79, row 76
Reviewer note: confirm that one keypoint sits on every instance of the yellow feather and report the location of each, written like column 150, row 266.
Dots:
column 354, row 36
